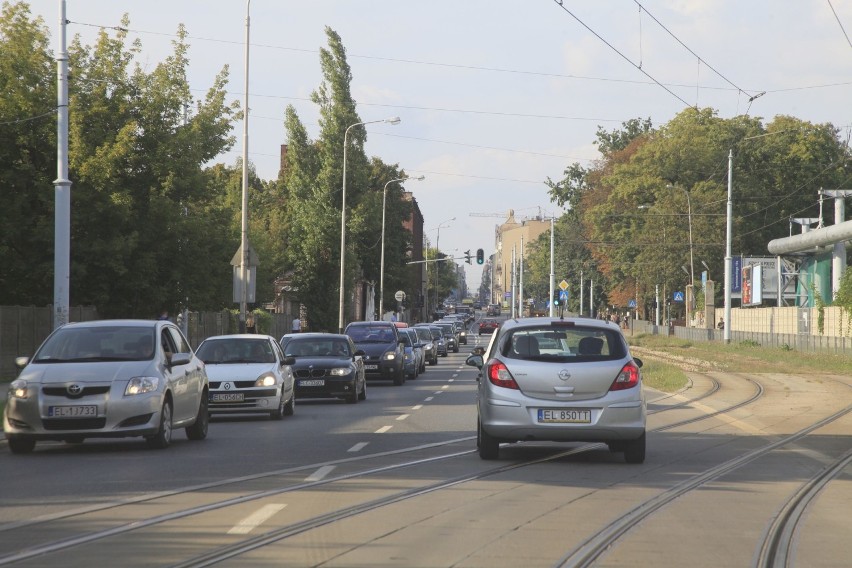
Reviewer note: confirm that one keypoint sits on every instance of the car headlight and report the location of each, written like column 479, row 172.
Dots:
column 266, row 380
column 340, row 371
column 408, row 356
column 428, row 347
column 141, row 385
column 18, row 389
column 463, row 334
column 389, row 356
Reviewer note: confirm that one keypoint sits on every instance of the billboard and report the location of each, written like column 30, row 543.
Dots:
column 752, row 285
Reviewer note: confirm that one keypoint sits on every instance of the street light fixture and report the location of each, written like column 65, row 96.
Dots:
column 443, row 225
column 382, row 264
column 393, row 120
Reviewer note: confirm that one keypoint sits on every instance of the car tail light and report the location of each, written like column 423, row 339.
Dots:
column 627, row 378
column 500, row 376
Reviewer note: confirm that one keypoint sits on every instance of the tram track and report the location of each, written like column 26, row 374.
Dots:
column 247, row 544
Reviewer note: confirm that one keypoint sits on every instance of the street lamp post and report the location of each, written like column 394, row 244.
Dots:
column 382, row 263
column 394, row 120
column 244, row 260
column 691, row 265
column 443, row 225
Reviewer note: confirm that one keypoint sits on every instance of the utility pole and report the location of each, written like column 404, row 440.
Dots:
column 62, row 186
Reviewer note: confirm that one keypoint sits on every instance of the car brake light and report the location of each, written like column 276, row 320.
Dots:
column 500, row 376
column 627, row 378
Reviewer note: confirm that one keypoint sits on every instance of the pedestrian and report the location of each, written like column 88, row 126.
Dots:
column 297, row 325
column 164, row 315
column 721, row 324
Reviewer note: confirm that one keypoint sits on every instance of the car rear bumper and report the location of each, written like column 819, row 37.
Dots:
column 515, row 422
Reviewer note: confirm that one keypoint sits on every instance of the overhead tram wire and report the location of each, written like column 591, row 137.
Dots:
column 612, row 47
column 698, row 57
column 839, row 23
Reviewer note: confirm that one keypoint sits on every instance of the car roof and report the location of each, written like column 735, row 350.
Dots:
column 510, row 324
column 241, row 336
column 318, row 335
column 117, row 322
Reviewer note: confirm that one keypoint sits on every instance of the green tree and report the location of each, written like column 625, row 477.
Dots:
column 27, row 157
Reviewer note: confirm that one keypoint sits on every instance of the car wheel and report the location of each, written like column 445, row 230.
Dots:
column 353, row 398
column 278, row 413
column 198, row 430
column 290, row 406
column 634, row 450
column 399, row 379
column 163, row 437
column 21, row 445
column 489, row 448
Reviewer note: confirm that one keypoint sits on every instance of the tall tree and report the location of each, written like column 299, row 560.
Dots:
column 27, row 157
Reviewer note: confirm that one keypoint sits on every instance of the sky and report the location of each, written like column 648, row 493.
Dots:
column 497, row 96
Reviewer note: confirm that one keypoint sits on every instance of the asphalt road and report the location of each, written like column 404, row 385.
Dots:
column 395, row 481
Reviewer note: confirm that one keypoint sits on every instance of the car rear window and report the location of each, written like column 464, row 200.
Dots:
column 565, row 344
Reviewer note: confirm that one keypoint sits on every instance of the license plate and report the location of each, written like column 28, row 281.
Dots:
column 71, row 411
column 226, row 397
column 371, row 367
column 565, row 416
column 312, row 383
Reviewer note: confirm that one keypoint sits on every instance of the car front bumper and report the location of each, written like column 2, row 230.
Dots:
column 245, row 400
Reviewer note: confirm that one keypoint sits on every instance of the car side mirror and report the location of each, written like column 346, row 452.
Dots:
column 288, row 360
column 360, row 353
column 478, row 351
column 178, row 359
column 21, row 362
column 638, row 362
column 475, row 361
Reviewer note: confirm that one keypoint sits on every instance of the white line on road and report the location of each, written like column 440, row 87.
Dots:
column 455, row 375
column 440, row 392
column 429, row 399
column 451, row 380
column 358, row 447
column 417, row 407
column 445, row 387
column 383, row 429
column 402, row 416
column 320, row 473
column 256, row 519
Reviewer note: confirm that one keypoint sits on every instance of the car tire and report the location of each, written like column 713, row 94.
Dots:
column 634, row 450
column 489, row 448
column 353, row 398
column 278, row 413
column 198, row 430
column 163, row 437
column 399, row 379
column 363, row 395
column 290, row 405
column 21, row 445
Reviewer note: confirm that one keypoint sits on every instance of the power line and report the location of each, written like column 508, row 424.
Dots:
column 612, row 47
column 839, row 23
column 29, row 119
column 686, row 47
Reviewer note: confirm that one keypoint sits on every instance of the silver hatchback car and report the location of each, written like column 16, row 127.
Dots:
column 108, row 379
column 564, row 380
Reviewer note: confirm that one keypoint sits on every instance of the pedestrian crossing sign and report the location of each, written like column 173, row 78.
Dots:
column 678, row 296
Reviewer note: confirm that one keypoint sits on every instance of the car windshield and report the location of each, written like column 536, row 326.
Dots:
column 547, row 343
column 368, row 334
column 318, row 347
column 85, row 344
column 232, row 350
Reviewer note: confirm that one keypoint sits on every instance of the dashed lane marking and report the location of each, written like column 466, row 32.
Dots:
column 358, row 447
column 383, row 429
column 417, row 407
column 320, row 473
column 256, row 519
column 402, row 416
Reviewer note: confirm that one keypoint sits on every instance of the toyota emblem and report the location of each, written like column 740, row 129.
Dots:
column 74, row 389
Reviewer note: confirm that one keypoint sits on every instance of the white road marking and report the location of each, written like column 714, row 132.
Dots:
column 439, row 392
column 445, row 387
column 455, row 375
column 383, row 429
column 320, row 473
column 429, row 399
column 256, row 519
column 358, row 447
column 417, row 407
column 450, row 380
column 402, row 416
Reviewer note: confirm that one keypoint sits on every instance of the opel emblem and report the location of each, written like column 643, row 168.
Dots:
column 75, row 389
column 564, row 374
column 227, row 386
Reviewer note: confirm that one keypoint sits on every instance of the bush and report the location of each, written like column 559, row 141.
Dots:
column 750, row 343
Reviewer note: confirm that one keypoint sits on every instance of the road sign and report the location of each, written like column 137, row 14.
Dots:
column 677, row 297
column 563, row 296
column 563, row 285
column 631, row 304
column 399, row 296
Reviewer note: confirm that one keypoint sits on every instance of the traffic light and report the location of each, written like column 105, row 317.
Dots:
column 556, row 299
column 480, row 256
column 467, row 256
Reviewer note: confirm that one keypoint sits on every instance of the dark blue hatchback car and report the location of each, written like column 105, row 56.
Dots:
column 382, row 347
